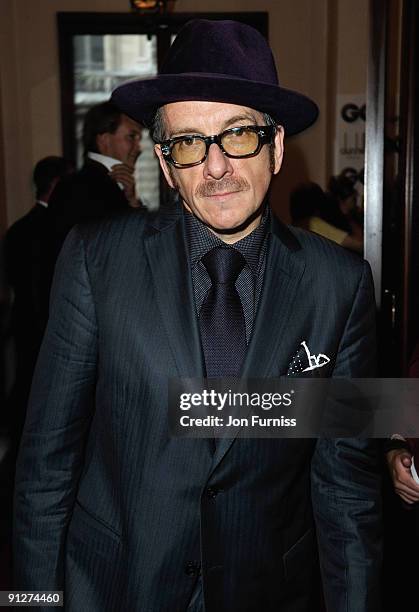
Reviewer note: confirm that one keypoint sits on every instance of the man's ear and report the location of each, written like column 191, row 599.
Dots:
column 278, row 149
column 164, row 166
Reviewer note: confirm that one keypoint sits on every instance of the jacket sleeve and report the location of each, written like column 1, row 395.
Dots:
column 57, row 423
column 346, row 485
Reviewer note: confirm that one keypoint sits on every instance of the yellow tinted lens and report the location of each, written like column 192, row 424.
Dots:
column 240, row 142
column 188, row 150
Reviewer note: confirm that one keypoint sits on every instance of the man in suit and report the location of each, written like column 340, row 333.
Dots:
column 105, row 184
column 26, row 269
column 109, row 506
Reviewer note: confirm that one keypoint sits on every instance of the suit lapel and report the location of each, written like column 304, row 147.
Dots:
column 265, row 356
column 168, row 261
column 284, row 268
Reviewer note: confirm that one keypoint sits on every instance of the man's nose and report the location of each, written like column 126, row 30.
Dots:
column 217, row 164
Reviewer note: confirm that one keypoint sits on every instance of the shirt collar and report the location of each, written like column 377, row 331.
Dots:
column 108, row 162
column 201, row 240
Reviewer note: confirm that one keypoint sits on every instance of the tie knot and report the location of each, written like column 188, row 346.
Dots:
column 223, row 264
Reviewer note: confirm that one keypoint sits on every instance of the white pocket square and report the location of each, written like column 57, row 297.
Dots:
column 305, row 361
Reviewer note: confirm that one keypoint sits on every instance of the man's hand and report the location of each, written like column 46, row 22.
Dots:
column 399, row 462
column 124, row 175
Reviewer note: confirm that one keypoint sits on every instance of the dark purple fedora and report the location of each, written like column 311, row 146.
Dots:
column 218, row 61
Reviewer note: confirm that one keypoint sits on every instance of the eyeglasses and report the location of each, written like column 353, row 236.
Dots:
column 237, row 142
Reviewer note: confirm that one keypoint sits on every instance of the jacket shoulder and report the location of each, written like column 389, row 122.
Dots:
column 324, row 254
column 115, row 233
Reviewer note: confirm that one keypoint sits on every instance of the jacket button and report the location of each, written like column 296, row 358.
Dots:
column 212, row 492
column 192, row 568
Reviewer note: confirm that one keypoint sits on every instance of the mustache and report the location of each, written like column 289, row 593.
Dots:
column 210, row 188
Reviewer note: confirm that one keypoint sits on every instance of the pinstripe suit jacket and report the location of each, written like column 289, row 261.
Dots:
column 119, row 514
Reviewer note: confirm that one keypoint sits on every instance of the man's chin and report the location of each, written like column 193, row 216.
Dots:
column 232, row 228
column 229, row 224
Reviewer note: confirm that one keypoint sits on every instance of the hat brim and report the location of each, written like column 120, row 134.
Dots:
column 140, row 99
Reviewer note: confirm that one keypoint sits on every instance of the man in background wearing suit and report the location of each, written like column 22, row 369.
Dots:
column 109, row 506
column 105, row 184
column 27, row 274
column 26, row 266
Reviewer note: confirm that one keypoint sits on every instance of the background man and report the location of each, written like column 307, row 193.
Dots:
column 403, row 538
column 27, row 270
column 26, row 267
column 109, row 506
column 105, row 184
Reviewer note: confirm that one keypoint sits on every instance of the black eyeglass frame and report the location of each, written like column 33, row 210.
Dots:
column 265, row 134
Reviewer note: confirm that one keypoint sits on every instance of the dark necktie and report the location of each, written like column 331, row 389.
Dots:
column 223, row 329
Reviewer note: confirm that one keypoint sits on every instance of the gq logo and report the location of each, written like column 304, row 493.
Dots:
column 352, row 112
